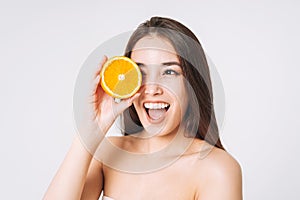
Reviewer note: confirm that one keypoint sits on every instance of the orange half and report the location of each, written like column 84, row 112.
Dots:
column 120, row 77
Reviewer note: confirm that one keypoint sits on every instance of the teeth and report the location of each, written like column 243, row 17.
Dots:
column 156, row 105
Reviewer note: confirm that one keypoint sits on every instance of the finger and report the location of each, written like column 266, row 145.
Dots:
column 97, row 74
column 124, row 104
column 104, row 59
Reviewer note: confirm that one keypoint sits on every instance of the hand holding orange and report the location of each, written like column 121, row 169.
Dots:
column 121, row 77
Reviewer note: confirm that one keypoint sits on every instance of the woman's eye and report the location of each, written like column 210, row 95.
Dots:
column 143, row 73
column 170, row 72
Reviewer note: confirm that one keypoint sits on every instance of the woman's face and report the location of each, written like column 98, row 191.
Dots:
column 163, row 100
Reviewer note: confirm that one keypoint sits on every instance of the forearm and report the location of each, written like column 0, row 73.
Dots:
column 69, row 181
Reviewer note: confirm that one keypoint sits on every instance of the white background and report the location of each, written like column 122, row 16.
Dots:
column 254, row 45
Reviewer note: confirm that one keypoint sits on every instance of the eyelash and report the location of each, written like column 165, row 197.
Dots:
column 166, row 72
column 143, row 73
column 170, row 72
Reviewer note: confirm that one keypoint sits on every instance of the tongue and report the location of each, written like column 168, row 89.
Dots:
column 156, row 113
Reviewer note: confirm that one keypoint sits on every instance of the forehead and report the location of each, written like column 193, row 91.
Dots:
column 154, row 50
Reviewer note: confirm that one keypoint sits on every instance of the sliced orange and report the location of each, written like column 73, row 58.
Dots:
column 120, row 77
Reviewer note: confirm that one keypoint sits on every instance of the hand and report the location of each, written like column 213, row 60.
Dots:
column 106, row 110
column 94, row 110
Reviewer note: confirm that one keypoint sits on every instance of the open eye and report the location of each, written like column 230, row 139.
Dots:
column 170, row 72
column 143, row 72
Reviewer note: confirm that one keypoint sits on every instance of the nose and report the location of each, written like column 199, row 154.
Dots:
column 153, row 89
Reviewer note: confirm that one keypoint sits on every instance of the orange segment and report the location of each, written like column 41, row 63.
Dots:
column 120, row 77
column 128, row 84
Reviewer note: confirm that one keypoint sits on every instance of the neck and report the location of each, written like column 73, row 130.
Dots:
column 147, row 143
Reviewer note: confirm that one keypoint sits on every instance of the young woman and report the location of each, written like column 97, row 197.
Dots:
column 171, row 148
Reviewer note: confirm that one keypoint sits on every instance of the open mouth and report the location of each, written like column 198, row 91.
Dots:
column 156, row 111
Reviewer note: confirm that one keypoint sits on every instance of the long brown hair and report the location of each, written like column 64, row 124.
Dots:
column 200, row 115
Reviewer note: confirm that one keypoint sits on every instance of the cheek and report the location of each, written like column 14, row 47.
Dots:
column 137, row 106
column 181, row 98
column 183, row 106
column 184, row 99
column 173, row 84
column 179, row 91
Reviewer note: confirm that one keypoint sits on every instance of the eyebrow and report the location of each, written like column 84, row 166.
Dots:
column 164, row 64
column 171, row 63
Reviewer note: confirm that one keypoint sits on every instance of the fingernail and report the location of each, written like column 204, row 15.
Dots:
column 97, row 79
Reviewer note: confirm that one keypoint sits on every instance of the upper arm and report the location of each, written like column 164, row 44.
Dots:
column 94, row 181
column 223, row 180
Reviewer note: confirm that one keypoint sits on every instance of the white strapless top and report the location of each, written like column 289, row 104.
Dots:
column 106, row 198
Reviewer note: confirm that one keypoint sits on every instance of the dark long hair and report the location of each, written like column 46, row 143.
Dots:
column 200, row 115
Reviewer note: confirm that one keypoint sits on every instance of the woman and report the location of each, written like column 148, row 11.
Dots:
column 168, row 124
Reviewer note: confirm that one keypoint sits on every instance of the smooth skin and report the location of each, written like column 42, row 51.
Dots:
column 214, row 177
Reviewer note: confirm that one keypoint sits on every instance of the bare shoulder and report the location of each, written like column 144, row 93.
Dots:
column 219, row 172
column 221, row 162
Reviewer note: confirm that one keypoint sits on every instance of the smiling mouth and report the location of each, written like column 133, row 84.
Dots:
column 156, row 111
